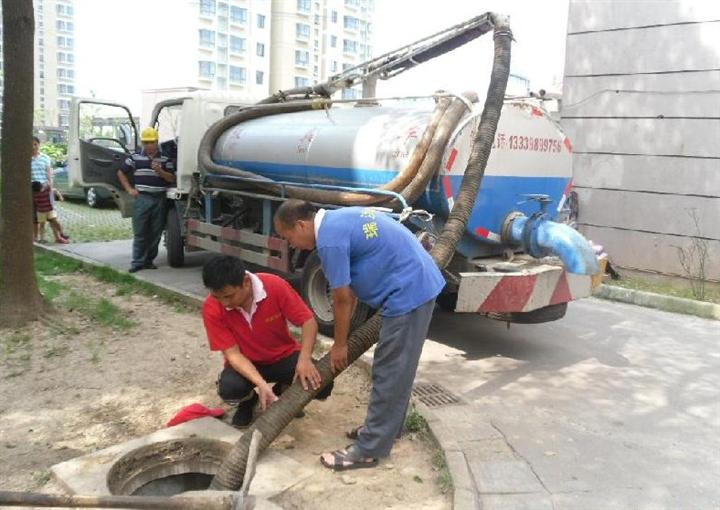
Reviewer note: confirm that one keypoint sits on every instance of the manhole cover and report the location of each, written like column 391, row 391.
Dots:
column 434, row 395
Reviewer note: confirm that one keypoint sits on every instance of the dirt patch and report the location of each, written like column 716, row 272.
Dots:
column 113, row 368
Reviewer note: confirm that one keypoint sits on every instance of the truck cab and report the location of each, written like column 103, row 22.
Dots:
column 103, row 134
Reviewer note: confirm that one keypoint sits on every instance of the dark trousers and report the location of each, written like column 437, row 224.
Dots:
column 394, row 365
column 148, row 224
column 234, row 388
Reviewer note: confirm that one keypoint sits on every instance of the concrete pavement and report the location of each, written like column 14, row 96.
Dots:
column 615, row 406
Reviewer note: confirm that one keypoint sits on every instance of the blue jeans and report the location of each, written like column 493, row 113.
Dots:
column 148, row 224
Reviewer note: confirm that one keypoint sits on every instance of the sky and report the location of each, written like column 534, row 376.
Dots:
column 115, row 62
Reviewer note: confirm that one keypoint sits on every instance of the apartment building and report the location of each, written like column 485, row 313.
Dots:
column 314, row 39
column 54, row 61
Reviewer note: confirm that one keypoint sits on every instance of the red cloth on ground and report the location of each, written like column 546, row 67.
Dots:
column 192, row 412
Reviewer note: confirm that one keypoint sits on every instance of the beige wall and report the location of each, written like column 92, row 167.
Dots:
column 322, row 56
column 641, row 105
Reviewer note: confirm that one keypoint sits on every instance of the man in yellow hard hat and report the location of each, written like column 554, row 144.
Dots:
column 146, row 176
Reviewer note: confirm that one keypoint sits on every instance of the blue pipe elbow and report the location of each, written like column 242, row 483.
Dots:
column 541, row 237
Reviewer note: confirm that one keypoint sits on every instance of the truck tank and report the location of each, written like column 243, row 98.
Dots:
column 366, row 146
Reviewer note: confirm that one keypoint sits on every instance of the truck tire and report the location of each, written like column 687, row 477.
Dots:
column 174, row 241
column 447, row 301
column 546, row 314
column 317, row 294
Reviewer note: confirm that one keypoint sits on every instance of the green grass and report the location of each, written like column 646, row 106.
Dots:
column 415, row 423
column 712, row 295
column 51, row 264
column 84, row 224
column 100, row 310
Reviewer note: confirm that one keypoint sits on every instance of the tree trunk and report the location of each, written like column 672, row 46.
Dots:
column 20, row 299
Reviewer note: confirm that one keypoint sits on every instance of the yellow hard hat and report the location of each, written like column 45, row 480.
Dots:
column 149, row 135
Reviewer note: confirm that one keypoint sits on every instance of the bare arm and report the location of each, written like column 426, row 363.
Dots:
column 305, row 369
column 343, row 304
column 166, row 176
column 246, row 368
column 49, row 171
column 126, row 184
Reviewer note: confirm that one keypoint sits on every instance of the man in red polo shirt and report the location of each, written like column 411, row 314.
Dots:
column 246, row 318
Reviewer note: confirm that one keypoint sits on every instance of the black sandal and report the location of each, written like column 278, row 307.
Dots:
column 348, row 458
column 353, row 432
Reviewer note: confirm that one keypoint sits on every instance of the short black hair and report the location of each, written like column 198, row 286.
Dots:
column 36, row 186
column 293, row 210
column 222, row 271
column 36, row 139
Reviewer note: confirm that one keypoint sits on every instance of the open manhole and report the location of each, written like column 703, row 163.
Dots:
column 434, row 395
column 167, row 468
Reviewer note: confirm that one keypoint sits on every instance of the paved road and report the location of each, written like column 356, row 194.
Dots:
column 613, row 407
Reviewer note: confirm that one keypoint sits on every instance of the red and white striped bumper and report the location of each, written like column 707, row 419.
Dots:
column 527, row 286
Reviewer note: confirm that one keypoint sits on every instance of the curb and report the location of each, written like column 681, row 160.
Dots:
column 464, row 497
column 464, row 491
column 659, row 301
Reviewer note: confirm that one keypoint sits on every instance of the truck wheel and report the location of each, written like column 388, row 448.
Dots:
column 316, row 291
column 447, row 301
column 174, row 241
column 545, row 314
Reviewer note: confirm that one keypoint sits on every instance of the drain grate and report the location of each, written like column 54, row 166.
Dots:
column 434, row 395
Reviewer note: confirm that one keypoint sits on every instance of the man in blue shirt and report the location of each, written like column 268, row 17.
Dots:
column 368, row 255
column 146, row 176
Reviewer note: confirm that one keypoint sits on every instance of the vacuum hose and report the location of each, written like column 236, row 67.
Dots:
column 272, row 422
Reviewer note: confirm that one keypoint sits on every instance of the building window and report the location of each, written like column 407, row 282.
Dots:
column 350, row 94
column 222, row 8
column 65, row 58
column 207, row 38
column 334, row 16
column 317, row 19
column 302, row 58
column 303, row 5
column 352, row 3
column 63, row 42
column 333, row 66
column 351, row 23
column 63, row 104
column 207, row 69
column 301, row 82
column 238, row 14
column 65, row 73
column 302, row 31
column 261, row 21
column 349, row 46
column 62, row 9
column 222, row 40
column 260, row 49
column 65, row 26
column 346, row 67
column 64, row 120
column 237, row 44
column 237, row 74
column 222, row 83
column 259, row 77
column 333, row 41
column 66, row 89
column 207, row 7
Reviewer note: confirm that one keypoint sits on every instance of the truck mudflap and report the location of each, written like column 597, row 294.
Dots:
column 522, row 285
